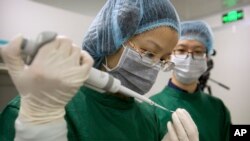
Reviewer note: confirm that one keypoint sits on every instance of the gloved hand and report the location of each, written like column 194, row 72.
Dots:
column 182, row 128
column 52, row 79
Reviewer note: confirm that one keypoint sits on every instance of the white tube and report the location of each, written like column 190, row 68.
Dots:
column 102, row 81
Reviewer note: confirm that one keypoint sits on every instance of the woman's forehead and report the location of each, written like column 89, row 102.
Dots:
column 162, row 36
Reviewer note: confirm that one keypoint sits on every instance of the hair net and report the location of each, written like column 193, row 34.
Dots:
column 3, row 42
column 119, row 20
column 198, row 30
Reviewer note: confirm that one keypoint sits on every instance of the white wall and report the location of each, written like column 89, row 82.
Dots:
column 231, row 66
column 30, row 18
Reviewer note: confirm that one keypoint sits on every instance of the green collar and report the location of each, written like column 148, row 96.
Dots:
column 181, row 94
column 106, row 99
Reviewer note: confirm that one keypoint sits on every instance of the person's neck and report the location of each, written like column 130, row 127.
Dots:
column 190, row 88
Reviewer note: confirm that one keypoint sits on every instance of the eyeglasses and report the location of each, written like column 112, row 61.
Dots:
column 148, row 59
column 183, row 54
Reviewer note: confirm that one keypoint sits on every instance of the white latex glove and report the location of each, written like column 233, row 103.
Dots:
column 182, row 128
column 50, row 82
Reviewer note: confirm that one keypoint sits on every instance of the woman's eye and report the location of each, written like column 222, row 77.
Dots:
column 181, row 50
column 150, row 55
column 198, row 52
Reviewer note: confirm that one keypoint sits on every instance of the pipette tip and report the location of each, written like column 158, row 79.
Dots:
column 163, row 108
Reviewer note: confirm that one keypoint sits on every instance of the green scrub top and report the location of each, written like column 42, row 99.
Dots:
column 210, row 115
column 92, row 116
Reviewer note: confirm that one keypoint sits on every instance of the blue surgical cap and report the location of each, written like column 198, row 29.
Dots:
column 119, row 20
column 198, row 30
column 3, row 42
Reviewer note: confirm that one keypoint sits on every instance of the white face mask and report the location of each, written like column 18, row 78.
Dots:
column 188, row 70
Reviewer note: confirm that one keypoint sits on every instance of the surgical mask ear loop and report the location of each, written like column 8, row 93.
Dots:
column 132, row 45
column 106, row 65
column 106, row 61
